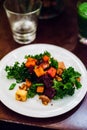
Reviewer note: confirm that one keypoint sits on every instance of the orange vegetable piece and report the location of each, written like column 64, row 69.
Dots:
column 46, row 58
column 39, row 71
column 28, row 83
column 30, row 62
column 52, row 72
column 40, row 89
column 30, row 59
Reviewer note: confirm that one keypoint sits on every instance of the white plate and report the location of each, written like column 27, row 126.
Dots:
column 34, row 107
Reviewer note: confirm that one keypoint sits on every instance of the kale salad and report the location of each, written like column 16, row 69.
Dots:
column 44, row 76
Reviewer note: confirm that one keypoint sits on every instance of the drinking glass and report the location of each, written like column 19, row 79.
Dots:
column 82, row 20
column 23, row 18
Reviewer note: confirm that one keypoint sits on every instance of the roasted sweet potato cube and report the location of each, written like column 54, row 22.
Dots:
column 39, row 71
column 46, row 58
column 52, row 72
column 40, row 89
column 30, row 62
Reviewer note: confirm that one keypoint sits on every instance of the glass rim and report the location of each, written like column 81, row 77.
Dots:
column 16, row 13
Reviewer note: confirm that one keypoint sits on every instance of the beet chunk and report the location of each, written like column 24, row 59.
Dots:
column 30, row 69
column 46, row 80
column 50, row 92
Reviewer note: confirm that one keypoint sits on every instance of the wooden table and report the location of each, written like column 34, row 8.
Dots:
column 61, row 31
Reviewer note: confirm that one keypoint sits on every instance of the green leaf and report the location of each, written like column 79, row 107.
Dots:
column 57, row 84
column 54, row 62
column 67, row 86
column 12, row 86
column 18, row 72
column 78, row 84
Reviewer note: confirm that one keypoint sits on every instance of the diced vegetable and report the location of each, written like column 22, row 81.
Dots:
column 21, row 95
column 52, row 72
column 50, row 92
column 30, row 62
column 39, row 71
column 46, row 58
column 40, row 89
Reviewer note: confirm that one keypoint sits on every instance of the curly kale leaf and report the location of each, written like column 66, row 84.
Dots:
column 18, row 72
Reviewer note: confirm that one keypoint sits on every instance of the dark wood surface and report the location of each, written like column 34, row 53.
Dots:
column 61, row 31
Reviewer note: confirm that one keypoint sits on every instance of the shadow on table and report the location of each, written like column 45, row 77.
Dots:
column 12, row 126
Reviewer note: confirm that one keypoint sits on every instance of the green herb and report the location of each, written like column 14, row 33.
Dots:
column 63, row 89
column 54, row 62
column 18, row 72
column 12, row 86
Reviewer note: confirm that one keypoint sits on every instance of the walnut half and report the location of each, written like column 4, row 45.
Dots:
column 45, row 99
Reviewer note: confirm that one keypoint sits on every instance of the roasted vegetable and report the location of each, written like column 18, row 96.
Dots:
column 40, row 89
column 52, row 72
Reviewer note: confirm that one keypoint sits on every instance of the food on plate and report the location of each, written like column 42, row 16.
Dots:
column 21, row 95
column 43, row 75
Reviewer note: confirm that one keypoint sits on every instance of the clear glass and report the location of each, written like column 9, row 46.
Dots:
column 82, row 20
column 23, row 18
